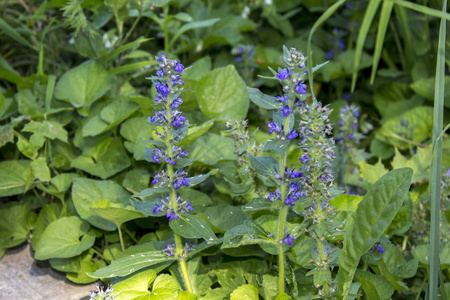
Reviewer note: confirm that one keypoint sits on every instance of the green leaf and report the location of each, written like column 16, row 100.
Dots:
column 193, row 181
column 225, row 216
column 41, row 170
column 372, row 172
column 87, row 191
column 222, row 95
column 86, row 265
column 14, row 34
column 115, row 212
column 165, row 287
column 246, row 291
column 191, row 227
column 419, row 129
column 266, row 165
column 270, row 286
column 49, row 129
column 263, row 100
column 110, row 116
column 136, row 180
column 195, row 132
column 83, row 85
column 14, row 225
column 375, row 287
column 48, row 214
column 61, row 239
column 211, row 149
column 347, row 202
column 27, row 148
column 425, row 88
column 404, row 218
column 369, row 14
column 419, row 163
column 6, row 133
column 132, row 263
column 137, row 132
column 134, row 286
column 103, row 158
column 372, row 217
column 276, row 146
column 13, row 177
column 190, row 26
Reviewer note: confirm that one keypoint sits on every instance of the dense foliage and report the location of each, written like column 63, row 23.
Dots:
column 178, row 149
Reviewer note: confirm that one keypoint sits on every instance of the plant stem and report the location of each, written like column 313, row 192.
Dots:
column 283, row 212
column 166, row 31
column 319, row 243
column 120, row 237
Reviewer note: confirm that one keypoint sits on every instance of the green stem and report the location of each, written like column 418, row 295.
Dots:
column 166, row 31
column 130, row 235
column 283, row 213
column 320, row 245
column 120, row 237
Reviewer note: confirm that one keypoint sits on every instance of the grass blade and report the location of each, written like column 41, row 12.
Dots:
column 436, row 164
column 382, row 27
column 422, row 9
column 14, row 34
column 405, row 30
column 329, row 12
column 365, row 26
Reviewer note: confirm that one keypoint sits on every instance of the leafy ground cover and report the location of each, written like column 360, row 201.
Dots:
column 229, row 149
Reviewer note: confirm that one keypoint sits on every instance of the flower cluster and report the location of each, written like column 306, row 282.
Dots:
column 243, row 53
column 316, row 145
column 100, row 294
column 348, row 125
column 169, row 85
column 337, row 43
column 165, row 205
column 445, row 190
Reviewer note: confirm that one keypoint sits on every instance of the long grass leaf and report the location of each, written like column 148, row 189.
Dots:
column 405, row 30
column 329, row 12
column 382, row 27
column 12, row 33
column 422, row 9
column 436, row 164
column 365, row 26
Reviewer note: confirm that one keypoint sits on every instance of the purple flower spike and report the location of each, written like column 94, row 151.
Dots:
column 284, row 74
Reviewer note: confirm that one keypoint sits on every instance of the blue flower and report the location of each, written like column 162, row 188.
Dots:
column 172, row 215
column 274, row 127
column 284, row 74
column 162, row 88
column 292, row 135
column 286, row 111
column 156, row 209
column 289, row 239
column 178, row 67
column 300, row 87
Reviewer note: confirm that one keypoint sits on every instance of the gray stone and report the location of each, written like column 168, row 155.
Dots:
column 22, row 277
